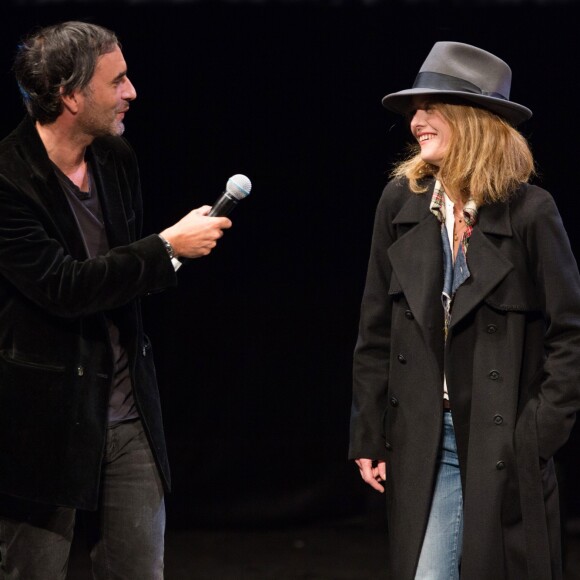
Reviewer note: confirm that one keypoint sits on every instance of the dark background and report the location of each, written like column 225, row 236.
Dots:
column 254, row 348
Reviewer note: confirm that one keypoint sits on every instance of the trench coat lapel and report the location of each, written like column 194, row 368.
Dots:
column 417, row 261
column 487, row 265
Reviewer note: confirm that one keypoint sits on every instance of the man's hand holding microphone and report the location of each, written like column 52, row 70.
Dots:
column 196, row 234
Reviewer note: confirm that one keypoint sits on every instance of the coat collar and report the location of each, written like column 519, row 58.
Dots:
column 492, row 218
column 416, row 258
column 495, row 219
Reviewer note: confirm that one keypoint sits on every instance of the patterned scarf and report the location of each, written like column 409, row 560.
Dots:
column 454, row 273
column 470, row 208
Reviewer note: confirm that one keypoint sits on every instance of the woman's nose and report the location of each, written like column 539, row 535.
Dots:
column 417, row 119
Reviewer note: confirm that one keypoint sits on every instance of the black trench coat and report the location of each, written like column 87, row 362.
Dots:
column 56, row 365
column 512, row 363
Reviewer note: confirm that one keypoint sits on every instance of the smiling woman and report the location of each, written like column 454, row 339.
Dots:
column 469, row 158
column 467, row 364
column 432, row 132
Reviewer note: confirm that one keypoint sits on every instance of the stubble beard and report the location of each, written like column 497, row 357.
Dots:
column 99, row 123
column 97, row 126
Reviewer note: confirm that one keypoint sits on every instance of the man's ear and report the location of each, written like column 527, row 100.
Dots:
column 71, row 102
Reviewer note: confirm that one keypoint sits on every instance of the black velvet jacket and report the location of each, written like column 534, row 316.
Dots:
column 55, row 356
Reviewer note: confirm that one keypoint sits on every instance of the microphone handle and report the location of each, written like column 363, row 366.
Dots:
column 223, row 206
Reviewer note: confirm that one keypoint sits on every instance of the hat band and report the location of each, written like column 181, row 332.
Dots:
column 443, row 82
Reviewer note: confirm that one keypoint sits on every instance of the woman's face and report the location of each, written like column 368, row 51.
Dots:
column 432, row 132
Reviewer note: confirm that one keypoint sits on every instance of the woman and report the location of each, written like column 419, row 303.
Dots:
column 467, row 364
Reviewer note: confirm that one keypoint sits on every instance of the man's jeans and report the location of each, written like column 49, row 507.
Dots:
column 442, row 545
column 125, row 535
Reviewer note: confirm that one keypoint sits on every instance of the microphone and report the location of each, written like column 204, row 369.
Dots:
column 237, row 188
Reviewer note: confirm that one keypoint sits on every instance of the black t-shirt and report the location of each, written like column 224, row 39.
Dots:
column 87, row 210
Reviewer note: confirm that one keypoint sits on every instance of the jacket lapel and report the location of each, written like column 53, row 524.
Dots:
column 487, row 265
column 110, row 196
column 417, row 261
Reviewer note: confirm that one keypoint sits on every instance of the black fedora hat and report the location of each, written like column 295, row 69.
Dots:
column 465, row 72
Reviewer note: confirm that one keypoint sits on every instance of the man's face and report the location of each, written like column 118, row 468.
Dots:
column 106, row 98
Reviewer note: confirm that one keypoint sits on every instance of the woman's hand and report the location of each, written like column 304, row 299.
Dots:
column 373, row 472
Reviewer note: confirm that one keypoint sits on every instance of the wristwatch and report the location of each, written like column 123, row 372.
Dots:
column 168, row 247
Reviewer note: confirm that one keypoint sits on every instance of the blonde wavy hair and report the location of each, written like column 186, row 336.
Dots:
column 487, row 158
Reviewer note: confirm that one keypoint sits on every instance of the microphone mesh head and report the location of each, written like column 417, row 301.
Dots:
column 239, row 186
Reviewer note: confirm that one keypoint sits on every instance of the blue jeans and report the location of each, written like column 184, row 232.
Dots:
column 441, row 552
column 126, row 533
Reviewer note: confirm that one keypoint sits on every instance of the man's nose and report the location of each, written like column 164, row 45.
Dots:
column 129, row 92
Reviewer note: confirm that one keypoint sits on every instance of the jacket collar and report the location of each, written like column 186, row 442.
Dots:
column 32, row 150
column 35, row 155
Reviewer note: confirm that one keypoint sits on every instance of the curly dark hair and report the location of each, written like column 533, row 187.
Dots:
column 57, row 60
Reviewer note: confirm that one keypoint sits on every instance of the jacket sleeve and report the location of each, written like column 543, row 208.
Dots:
column 34, row 260
column 556, row 274
column 372, row 350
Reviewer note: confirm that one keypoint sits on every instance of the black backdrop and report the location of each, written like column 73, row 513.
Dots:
column 254, row 348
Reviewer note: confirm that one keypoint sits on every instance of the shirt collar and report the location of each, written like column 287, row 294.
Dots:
column 437, row 206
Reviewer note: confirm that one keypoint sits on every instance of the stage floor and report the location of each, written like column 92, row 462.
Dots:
column 345, row 551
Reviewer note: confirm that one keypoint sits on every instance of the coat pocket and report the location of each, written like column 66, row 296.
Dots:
column 34, row 409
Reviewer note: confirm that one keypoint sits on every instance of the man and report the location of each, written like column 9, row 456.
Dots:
column 80, row 421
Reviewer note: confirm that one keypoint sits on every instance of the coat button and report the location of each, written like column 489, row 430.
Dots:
column 409, row 315
column 500, row 465
column 493, row 375
column 498, row 419
column 491, row 328
column 80, row 370
column 388, row 446
column 394, row 402
column 401, row 359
